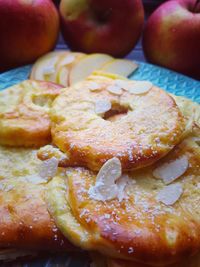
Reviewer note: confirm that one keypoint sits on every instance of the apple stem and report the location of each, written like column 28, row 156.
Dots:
column 196, row 4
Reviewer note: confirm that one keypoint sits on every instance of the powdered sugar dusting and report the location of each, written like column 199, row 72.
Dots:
column 170, row 171
column 170, row 194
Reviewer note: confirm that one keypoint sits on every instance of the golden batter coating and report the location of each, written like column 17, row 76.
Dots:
column 24, row 219
column 142, row 227
column 148, row 128
column 24, row 113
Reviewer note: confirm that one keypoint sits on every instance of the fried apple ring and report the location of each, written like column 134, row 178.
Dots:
column 24, row 113
column 150, row 125
column 145, row 226
column 25, row 222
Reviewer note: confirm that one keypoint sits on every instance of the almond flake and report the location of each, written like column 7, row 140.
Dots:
column 68, row 60
column 105, row 187
column 121, row 183
column 138, row 87
column 170, row 171
column 102, row 106
column 93, row 86
column 170, row 194
column 103, row 192
column 114, row 89
column 49, row 168
column 121, row 83
column 50, row 151
column 110, row 171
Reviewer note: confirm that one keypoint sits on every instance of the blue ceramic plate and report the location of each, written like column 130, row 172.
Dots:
column 166, row 79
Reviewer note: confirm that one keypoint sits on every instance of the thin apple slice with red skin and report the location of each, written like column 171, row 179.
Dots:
column 65, row 65
column 44, row 68
column 87, row 65
column 123, row 67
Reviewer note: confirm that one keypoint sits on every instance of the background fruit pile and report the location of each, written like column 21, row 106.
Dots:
column 171, row 35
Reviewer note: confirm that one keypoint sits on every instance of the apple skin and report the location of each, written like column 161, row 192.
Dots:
column 172, row 37
column 102, row 26
column 28, row 29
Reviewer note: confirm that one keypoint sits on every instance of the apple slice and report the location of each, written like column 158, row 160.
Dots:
column 64, row 66
column 123, row 67
column 45, row 67
column 87, row 65
column 63, row 76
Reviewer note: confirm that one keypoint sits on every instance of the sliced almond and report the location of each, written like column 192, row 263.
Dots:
column 121, row 183
column 170, row 171
column 93, row 86
column 50, row 151
column 49, row 168
column 103, row 192
column 114, row 89
column 138, row 87
column 121, row 83
column 105, row 187
column 110, row 171
column 102, row 106
column 170, row 194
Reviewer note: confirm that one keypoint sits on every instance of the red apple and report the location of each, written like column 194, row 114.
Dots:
column 28, row 29
column 172, row 36
column 102, row 26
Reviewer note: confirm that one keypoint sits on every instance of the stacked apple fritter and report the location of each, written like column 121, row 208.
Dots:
column 119, row 176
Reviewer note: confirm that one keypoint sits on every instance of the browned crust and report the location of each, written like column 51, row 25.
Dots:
column 26, row 126
column 26, row 223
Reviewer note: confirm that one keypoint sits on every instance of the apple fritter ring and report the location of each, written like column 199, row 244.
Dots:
column 154, row 223
column 149, row 125
column 24, row 218
column 24, row 113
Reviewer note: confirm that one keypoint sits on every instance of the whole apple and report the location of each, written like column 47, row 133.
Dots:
column 102, row 26
column 172, row 37
column 28, row 29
